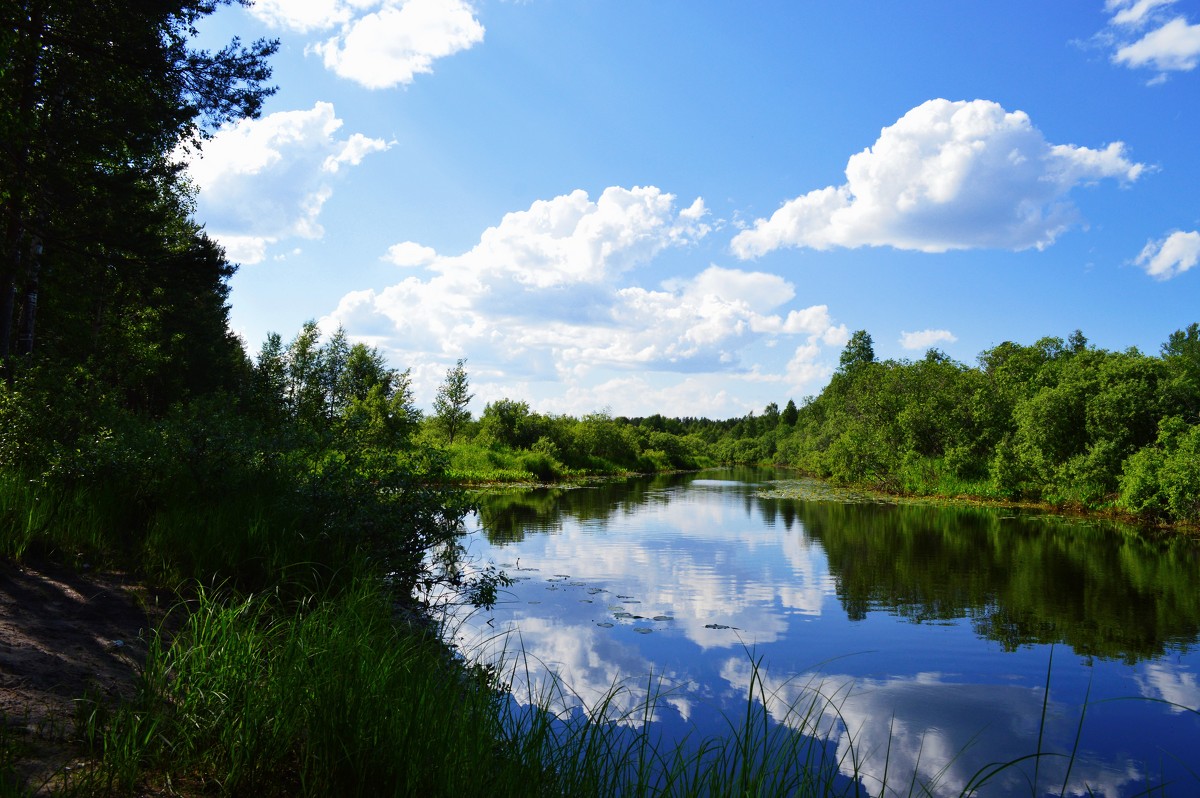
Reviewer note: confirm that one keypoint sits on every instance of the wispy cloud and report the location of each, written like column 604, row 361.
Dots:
column 1148, row 34
column 947, row 175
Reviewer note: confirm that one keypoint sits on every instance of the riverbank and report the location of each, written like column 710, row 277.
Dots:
column 828, row 491
column 810, row 488
column 240, row 695
column 337, row 695
column 71, row 641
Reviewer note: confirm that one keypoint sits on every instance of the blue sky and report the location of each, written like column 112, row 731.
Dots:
column 687, row 207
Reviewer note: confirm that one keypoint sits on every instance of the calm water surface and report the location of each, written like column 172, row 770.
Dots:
column 931, row 631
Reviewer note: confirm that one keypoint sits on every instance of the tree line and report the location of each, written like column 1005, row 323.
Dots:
column 1056, row 421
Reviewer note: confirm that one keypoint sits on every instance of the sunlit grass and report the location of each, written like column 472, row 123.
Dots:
column 475, row 464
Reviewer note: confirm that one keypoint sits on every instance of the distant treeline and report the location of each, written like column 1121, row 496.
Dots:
column 1057, row 421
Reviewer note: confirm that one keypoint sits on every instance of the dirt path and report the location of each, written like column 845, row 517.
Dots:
column 64, row 636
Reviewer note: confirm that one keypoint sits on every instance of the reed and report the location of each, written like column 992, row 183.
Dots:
column 325, row 697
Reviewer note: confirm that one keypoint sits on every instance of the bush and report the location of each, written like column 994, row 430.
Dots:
column 1180, row 475
column 1141, row 489
column 1163, row 481
column 542, row 465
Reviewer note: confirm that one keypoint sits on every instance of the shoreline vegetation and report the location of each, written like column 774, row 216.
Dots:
column 298, row 504
column 1057, row 425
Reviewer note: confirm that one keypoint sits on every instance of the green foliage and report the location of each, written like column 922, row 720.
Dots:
column 450, row 404
column 790, row 414
column 859, row 351
column 601, row 442
column 507, row 422
column 1163, row 481
column 333, row 391
column 1181, row 353
column 1055, row 421
column 95, row 100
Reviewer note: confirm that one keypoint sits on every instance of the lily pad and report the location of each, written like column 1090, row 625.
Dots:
column 642, row 630
column 605, row 625
column 664, row 617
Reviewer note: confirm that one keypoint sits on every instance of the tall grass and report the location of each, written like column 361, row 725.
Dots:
column 257, row 695
column 261, row 696
column 38, row 521
column 473, row 463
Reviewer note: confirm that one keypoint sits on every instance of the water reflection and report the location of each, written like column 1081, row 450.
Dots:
column 929, row 628
column 946, row 733
column 1171, row 683
column 1022, row 579
column 1105, row 590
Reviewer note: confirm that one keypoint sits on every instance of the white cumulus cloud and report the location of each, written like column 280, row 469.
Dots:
column 923, row 339
column 410, row 253
column 303, row 15
column 378, row 44
column 265, row 180
column 1171, row 256
column 552, row 294
column 947, row 175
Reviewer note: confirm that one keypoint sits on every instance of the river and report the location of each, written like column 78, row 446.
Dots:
column 919, row 640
